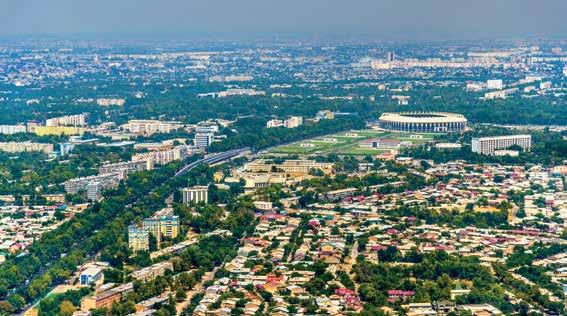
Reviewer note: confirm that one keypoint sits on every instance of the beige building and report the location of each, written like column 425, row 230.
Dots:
column 301, row 167
column 16, row 147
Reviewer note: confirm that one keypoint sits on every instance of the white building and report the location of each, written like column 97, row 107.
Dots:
column 487, row 145
column 12, row 129
column 203, row 140
column 196, row 194
column 495, row 84
column 67, row 120
column 274, row 123
column 150, row 127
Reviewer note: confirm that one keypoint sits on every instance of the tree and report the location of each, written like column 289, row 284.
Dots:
column 180, row 295
column 66, row 308
column 17, row 301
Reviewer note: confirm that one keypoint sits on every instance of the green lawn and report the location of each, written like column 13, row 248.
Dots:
column 347, row 145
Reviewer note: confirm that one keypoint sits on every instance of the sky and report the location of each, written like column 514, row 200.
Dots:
column 379, row 19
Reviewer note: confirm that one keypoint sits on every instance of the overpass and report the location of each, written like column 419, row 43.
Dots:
column 211, row 159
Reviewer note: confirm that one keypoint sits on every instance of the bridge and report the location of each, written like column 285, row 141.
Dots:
column 211, row 159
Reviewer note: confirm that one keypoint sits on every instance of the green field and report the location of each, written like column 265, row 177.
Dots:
column 342, row 144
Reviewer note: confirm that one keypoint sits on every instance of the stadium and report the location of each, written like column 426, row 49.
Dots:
column 423, row 122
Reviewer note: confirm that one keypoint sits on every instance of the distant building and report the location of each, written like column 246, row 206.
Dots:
column 207, row 129
column 324, row 115
column 487, row 145
column 16, row 147
column 67, row 120
column 196, row 194
column 390, row 57
column 91, row 275
column 110, row 101
column 65, row 148
column 203, row 140
column 274, row 123
column 94, row 190
column 97, row 183
column 162, row 224
column 150, row 127
column 105, row 299
column 56, row 130
column 152, row 272
column 165, row 156
column 545, row 85
column 293, row 122
column 12, row 129
column 448, row 146
column 296, row 167
column 138, row 238
column 495, row 84
column 126, row 166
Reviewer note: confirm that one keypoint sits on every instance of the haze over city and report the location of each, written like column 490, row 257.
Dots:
column 382, row 19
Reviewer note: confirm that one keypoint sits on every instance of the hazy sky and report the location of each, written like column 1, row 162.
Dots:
column 387, row 19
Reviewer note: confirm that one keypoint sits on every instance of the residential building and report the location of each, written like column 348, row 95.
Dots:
column 16, row 147
column 12, row 129
column 151, row 272
column 150, row 127
column 203, row 140
column 138, row 238
column 105, row 180
column 495, row 84
column 126, row 166
column 162, row 224
column 67, row 120
column 487, row 145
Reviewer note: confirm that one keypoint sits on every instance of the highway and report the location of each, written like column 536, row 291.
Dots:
column 211, row 159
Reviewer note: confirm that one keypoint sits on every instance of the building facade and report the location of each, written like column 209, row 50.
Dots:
column 488, row 145
column 203, row 140
column 423, row 122
column 138, row 238
column 17, row 147
column 196, row 194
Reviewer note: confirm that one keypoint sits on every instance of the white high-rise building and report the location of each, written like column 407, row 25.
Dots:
column 203, row 140
column 487, row 145
column 196, row 194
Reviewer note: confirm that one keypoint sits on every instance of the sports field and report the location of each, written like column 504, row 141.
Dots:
column 347, row 143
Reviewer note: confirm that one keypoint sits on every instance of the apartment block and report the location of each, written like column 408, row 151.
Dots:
column 138, row 238
column 16, row 147
column 487, row 145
